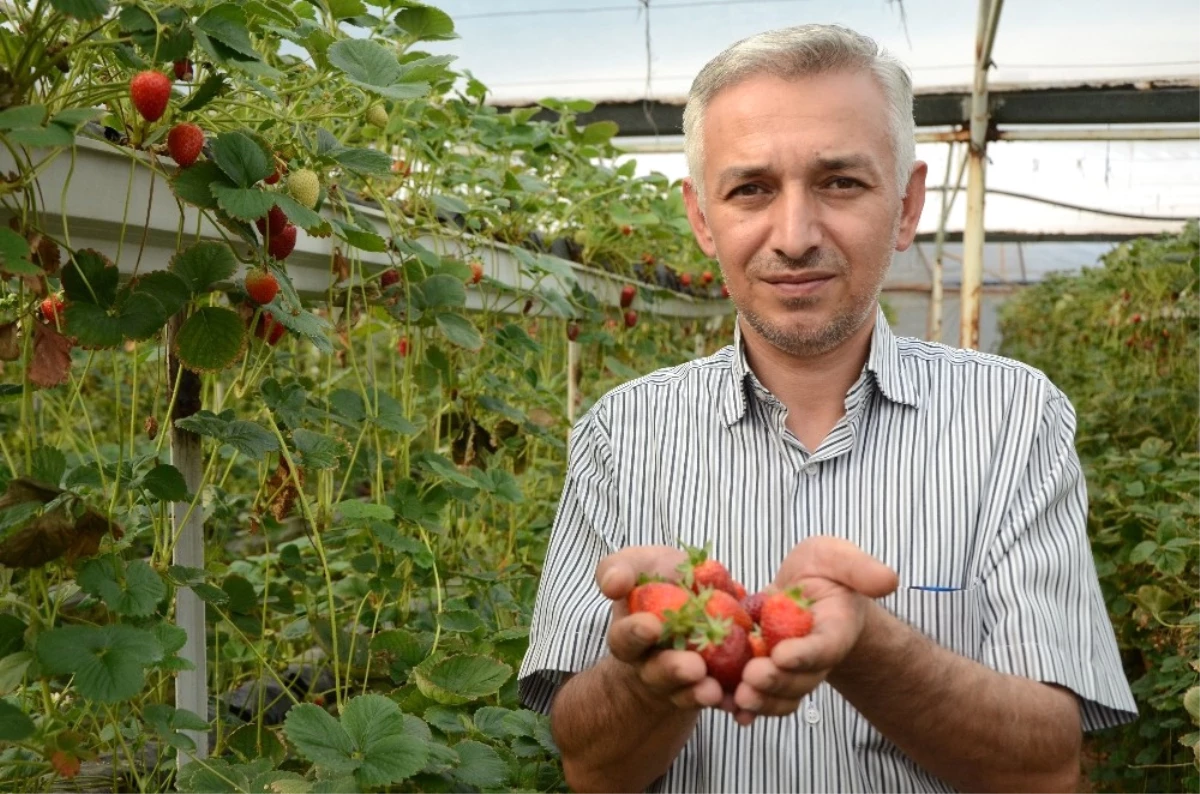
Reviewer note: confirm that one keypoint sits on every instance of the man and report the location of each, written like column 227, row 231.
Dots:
column 928, row 500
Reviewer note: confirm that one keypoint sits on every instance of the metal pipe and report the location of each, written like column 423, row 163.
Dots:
column 933, row 328
column 1174, row 133
column 973, row 234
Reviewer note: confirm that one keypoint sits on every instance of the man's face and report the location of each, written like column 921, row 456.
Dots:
column 801, row 204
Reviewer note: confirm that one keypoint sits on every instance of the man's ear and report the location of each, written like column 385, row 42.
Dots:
column 912, row 204
column 696, row 218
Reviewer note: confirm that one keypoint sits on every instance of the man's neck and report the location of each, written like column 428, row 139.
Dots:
column 813, row 389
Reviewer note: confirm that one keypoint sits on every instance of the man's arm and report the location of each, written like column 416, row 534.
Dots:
column 975, row 728
column 620, row 724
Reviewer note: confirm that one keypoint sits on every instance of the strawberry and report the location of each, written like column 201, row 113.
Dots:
column 701, row 572
column 753, row 606
column 686, row 279
column 648, row 258
column 283, row 243
column 784, row 616
column 630, row 318
column 402, row 347
column 65, row 764
column 273, row 178
column 725, row 649
column 724, row 291
column 627, row 230
column 377, row 116
column 573, row 331
column 739, row 592
column 389, row 277
column 183, row 70
column 657, row 598
column 758, row 645
column 184, row 143
column 476, row 272
column 706, row 277
column 628, row 292
column 261, row 286
column 720, row 604
column 305, row 187
column 268, row 329
column 273, row 223
column 150, row 92
column 52, row 307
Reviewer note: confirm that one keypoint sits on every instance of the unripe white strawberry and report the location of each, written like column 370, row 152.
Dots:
column 304, row 186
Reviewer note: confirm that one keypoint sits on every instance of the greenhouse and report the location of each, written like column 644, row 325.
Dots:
column 313, row 316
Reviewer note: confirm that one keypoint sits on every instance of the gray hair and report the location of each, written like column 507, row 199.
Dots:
column 796, row 52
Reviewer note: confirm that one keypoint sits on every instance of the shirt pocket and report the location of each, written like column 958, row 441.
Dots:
column 948, row 616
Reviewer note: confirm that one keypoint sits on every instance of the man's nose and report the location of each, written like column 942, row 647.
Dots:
column 796, row 227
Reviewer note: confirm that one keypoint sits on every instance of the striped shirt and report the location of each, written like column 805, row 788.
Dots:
column 955, row 468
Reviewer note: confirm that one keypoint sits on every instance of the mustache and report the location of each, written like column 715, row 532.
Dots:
column 812, row 259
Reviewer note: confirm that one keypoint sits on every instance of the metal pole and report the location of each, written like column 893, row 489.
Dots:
column 973, row 234
column 936, row 297
column 191, row 686
column 572, row 381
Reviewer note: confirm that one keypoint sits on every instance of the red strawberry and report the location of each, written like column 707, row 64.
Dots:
column 476, row 272
column 739, row 592
column 150, row 92
column 261, row 286
column 283, row 243
column 183, row 70
column 65, row 764
column 628, row 292
column 720, row 604
column 184, row 143
column 273, row 178
column 784, row 616
column 753, row 606
column 573, row 331
column 657, row 598
column 647, row 258
column 706, row 278
column 271, row 224
column 52, row 308
column 630, row 318
column 402, row 347
column 703, row 572
column 725, row 653
column 758, row 645
column 389, row 277
column 268, row 329
column 686, row 279
column 627, row 230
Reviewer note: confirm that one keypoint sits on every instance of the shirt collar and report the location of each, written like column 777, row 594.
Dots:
column 883, row 362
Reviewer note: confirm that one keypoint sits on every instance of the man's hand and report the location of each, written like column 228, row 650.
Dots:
column 838, row 579
column 678, row 677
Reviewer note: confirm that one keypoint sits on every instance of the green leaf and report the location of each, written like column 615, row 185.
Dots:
column 204, row 264
column 53, row 135
column 321, row 739
column 93, row 326
column 213, row 86
column 211, row 339
column 354, row 510
column 460, row 679
column 242, row 159
column 48, row 465
column 427, row 69
column 14, row 724
column 242, row 598
column 391, row 415
column 348, row 404
column 491, row 722
column 480, row 766
column 365, row 62
column 165, row 482
column 226, row 24
column 598, row 132
column 86, row 10
column 22, row 117
column 344, row 9
column 108, row 662
column 425, row 23
column 441, row 290
column 194, row 185
column 12, row 634
column 1142, row 551
column 132, row 590
column 168, row 289
column 1191, row 702
column 376, row 727
column 12, row 670
column 452, row 205
column 459, row 331
column 460, row 620
column 366, row 241
column 299, row 214
column 365, row 162
column 14, row 254
column 91, row 278
column 319, row 451
column 245, row 204
column 250, row 438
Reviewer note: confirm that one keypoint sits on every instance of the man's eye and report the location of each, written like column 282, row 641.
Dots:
column 746, row 190
column 845, row 183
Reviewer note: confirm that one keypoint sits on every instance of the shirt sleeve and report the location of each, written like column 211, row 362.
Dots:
column 1044, row 616
column 570, row 614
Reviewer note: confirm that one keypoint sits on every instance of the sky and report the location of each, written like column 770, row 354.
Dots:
column 600, row 49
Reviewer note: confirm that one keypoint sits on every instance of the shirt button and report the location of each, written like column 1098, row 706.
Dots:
column 811, row 470
column 812, row 716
